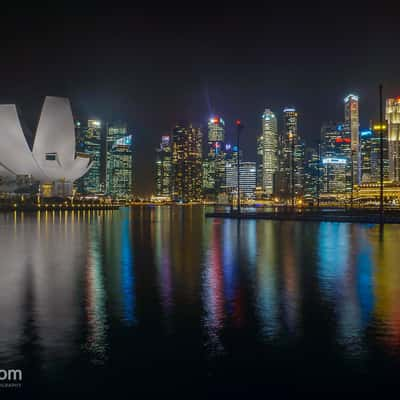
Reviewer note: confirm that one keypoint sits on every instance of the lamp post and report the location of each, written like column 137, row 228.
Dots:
column 381, row 208
column 239, row 128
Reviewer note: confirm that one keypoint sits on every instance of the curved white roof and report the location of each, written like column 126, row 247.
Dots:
column 53, row 156
column 15, row 154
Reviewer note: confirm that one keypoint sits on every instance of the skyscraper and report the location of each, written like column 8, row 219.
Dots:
column 336, row 177
column 377, row 129
column 164, row 167
column 269, row 151
column 248, row 175
column 366, row 145
column 91, row 141
column 352, row 126
column 260, row 153
column 186, row 163
column 291, row 158
column 312, row 174
column 119, row 161
column 393, row 120
column 214, row 164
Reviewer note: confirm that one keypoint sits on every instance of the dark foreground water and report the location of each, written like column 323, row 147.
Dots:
column 161, row 299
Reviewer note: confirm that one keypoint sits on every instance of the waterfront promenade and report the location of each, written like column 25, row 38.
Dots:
column 372, row 216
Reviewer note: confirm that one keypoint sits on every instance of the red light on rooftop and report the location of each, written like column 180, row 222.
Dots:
column 216, row 120
column 237, row 122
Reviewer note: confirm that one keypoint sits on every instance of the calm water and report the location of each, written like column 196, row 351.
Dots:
column 161, row 299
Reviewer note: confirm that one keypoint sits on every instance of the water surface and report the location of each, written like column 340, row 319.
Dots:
column 161, row 299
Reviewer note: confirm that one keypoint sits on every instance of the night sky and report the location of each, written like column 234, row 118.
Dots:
column 158, row 65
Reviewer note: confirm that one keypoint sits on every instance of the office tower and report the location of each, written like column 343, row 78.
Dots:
column 334, row 180
column 291, row 158
column 214, row 163
column 269, row 151
column 248, row 176
column 260, row 152
column 393, row 120
column 377, row 128
column 119, row 167
column 336, row 144
column 91, row 141
column 312, row 174
column 186, row 163
column 352, row 126
column 366, row 146
column 164, row 167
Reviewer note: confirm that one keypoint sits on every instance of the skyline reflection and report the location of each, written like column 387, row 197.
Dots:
column 148, row 283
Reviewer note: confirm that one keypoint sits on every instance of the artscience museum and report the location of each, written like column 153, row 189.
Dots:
column 51, row 161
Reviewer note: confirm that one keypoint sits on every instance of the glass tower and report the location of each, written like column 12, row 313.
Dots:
column 393, row 120
column 269, row 151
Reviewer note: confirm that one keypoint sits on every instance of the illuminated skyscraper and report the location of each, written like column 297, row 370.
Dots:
column 312, row 174
column 352, row 126
column 269, row 151
column 248, row 175
column 336, row 151
column 164, row 167
column 119, row 162
column 187, row 163
column 376, row 152
column 260, row 152
column 334, row 176
column 91, row 140
column 291, row 158
column 214, row 164
column 393, row 120
column 366, row 145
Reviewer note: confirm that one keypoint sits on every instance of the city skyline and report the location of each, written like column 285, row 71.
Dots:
column 154, row 67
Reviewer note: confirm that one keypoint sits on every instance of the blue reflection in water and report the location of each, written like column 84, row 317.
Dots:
column 127, row 274
column 365, row 267
column 230, row 254
column 345, row 280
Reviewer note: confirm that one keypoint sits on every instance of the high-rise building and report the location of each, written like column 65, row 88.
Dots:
column 377, row 129
column 367, row 144
column 248, row 174
column 260, row 152
column 214, row 163
column 269, row 151
column 91, row 141
column 336, row 151
column 334, row 176
column 352, row 126
column 312, row 174
column 393, row 120
column 291, row 158
column 119, row 171
column 164, row 167
column 186, row 163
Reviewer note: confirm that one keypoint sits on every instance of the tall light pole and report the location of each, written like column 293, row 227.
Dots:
column 381, row 209
column 239, row 128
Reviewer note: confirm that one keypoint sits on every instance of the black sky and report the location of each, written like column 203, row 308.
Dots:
column 157, row 64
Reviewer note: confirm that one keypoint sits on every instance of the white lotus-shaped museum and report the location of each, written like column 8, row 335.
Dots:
column 53, row 157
